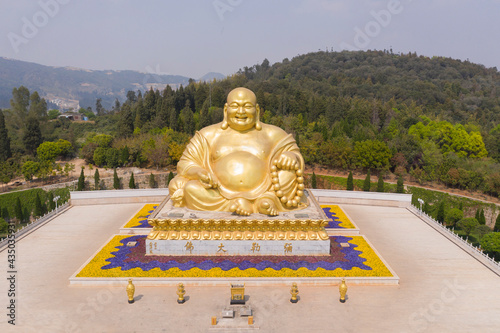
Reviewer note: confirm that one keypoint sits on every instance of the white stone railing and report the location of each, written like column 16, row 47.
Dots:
column 36, row 223
column 476, row 252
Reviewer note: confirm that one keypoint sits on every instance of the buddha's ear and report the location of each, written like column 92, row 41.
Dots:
column 224, row 124
column 258, row 125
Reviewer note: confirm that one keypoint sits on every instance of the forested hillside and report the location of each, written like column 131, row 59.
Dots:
column 428, row 119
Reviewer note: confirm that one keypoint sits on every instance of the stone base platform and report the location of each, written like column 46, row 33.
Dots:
column 238, row 247
column 181, row 231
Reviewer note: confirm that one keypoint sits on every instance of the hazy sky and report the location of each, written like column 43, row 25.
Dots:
column 191, row 38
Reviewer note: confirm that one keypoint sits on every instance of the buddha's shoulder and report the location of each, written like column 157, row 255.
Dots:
column 210, row 131
column 274, row 132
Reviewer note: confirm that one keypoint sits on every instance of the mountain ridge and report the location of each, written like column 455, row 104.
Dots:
column 83, row 85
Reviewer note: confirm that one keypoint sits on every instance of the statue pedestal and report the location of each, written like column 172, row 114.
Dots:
column 181, row 231
column 238, row 247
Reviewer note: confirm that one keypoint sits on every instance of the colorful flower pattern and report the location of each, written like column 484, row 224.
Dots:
column 116, row 259
column 140, row 220
column 338, row 219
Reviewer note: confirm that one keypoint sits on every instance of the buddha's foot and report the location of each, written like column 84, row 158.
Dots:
column 267, row 207
column 177, row 197
column 241, row 206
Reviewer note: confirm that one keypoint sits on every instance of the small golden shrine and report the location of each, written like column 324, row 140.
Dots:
column 238, row 293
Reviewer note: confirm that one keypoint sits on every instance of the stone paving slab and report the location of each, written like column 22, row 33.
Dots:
column 442, row 288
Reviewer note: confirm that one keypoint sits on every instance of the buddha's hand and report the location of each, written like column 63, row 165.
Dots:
column 288, row 161
column 207, row 179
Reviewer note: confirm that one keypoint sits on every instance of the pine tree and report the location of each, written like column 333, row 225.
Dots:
column 5, row 151
column 314, row 181
column 400, row 186
column 131, row 183
column 482, row 218
column 350, row 182
column 440, row 213
column 18, row 210
column 170, row 177
column 366, row 183
column 380, row 183
column 32, row 137
column 478, row 213
column 116, row 181
column 152, row 181
column 496, row 228
column 81, row 182
column 37, row 211
column 51, row 203
column 97, row 179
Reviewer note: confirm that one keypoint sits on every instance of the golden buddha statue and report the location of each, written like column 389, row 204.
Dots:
column 240, row 165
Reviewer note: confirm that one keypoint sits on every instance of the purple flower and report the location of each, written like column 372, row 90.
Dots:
column 127, row 258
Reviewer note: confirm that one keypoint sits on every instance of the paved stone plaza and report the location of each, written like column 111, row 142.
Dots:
column 442, row 288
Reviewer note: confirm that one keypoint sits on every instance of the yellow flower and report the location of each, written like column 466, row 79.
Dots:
column 141, row 215
column 339, row 213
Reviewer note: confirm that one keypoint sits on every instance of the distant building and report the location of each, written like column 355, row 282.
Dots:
column 73, row 116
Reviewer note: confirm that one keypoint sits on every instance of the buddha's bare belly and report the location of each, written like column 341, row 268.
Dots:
column 240, row 171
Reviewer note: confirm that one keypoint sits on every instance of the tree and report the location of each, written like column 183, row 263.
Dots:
column 440, row 212
column 51, row 203
column 497, row 224
column 481, row 230
column 37, row 211
column 491, row 244
column 29, row 169
column 5, row 152
column 48, row 151
column 152, row 181
column 400, row 185
column 482, row 218
column 313, row 181
column 170, row 177
column 32, row 137
column 4, row 226
column 126, row 121
column 131, row 183
column 18, row 210
column 116, row 180
column 350, row 182
column 97, row 179
column 372, row 154
column 155, row 150
column 99, row 109
column 20, row 102
column 380, row 183
column 468, row 224
column 367, row 183
column 453, row 216
column 81, row 182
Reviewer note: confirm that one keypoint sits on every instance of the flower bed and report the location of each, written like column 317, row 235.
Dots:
column 117, row 260
column 337, row 217
column 140, row 220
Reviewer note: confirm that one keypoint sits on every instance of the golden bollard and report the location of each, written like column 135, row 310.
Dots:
column 250, row 320
column 342, row 290
column 130, row 291
column 294, row 291
column 180, row 293
column 214, row 321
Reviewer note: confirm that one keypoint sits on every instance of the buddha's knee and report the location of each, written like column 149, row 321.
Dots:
column 177, row 183
column 193, row 187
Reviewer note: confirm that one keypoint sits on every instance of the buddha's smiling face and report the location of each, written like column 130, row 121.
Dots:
column 241, row 109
